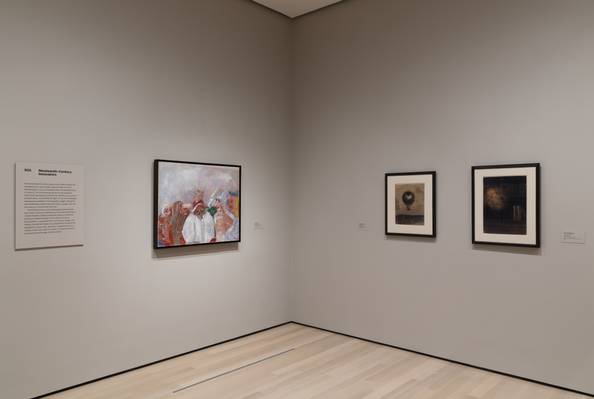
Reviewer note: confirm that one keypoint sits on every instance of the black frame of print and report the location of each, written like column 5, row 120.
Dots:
column 536, row 166
column 433, row 175
column 156, row 203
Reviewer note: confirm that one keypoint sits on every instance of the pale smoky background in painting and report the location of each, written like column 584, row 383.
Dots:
column 197, row 204
column 179, row 181
column 410, row 203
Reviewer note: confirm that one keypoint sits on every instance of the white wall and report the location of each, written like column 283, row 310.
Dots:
column 384, row 85
column 114, row 85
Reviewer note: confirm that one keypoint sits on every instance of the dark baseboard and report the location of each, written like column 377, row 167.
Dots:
column 330, row 331
column 452, row 361
column 158, row 361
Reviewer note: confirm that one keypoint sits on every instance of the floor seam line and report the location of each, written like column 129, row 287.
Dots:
column 232, row 371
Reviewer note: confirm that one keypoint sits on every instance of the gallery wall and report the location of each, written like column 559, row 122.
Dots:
column 403, row 86
column 113, row 85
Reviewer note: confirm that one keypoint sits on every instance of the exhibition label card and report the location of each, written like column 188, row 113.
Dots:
column 49, row 205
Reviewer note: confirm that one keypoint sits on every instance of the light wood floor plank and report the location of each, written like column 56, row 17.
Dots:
column 296, row 362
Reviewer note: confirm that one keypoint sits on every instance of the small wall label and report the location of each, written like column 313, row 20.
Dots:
column 572, row 237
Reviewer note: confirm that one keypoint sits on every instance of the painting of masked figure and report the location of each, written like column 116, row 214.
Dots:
column 196, row 203
column 506, row 205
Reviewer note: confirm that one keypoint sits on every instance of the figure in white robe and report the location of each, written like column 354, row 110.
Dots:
column 199, row 226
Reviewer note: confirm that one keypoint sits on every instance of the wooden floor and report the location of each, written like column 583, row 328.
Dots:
column 296, row 362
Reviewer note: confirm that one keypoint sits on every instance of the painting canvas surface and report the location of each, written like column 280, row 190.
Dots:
column 504, row 205
column 196, row 204
column 410, row 203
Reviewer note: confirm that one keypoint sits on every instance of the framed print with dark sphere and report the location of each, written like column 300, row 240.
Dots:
column 506, row 205
column 410, row 204
column 196, row 204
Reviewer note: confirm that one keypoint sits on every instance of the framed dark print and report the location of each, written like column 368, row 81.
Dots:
column 196, row 204
column 506, row 205
column 410, row 204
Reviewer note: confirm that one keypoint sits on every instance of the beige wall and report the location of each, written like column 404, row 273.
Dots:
column 114, row 85
column 384, row 85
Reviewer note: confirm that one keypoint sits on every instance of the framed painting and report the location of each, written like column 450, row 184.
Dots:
column 410, row 204
column 506, row 205
column 196, row 204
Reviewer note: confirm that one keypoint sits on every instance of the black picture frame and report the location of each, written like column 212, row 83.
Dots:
column 433, row 175
column 537, row 205
column 156, row 210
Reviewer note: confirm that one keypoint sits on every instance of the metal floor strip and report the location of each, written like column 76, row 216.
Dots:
column 232, row 371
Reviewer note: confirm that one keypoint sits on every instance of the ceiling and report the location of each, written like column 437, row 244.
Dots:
column 295, row 8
